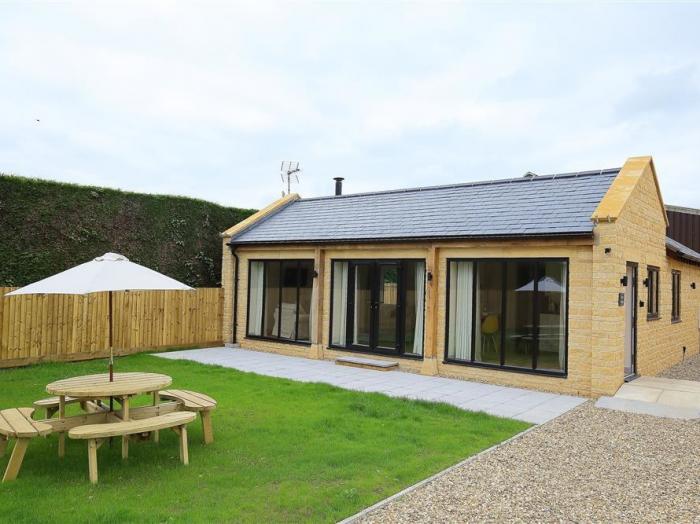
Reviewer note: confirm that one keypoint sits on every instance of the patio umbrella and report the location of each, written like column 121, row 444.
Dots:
column 544, row 285
column 108, row 273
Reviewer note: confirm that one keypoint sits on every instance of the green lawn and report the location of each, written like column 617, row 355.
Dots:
column 283, row 451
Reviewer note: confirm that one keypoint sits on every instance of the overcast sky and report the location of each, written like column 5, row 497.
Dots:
column 207, row 101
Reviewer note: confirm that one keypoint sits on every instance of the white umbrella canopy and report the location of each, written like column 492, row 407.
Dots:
column 545, row 284
column 110, row 272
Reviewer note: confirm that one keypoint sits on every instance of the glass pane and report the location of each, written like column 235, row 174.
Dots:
column 520, row 287
column 656, row 292
column 340, row 303
column 306, row 282
column 387, row 305
column 459, row 333
column 551, row 294
column 653, row 283
column 489, row 295
column 363, row 303
column 414, row 281
column 289, row 299
column 272, row 299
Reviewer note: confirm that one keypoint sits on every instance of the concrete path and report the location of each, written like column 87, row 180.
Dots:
column 522, row 404
column 662, row 397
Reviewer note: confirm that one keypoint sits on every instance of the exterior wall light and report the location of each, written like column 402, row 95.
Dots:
column 608, row 250
column 430, row 276
column 692, row 285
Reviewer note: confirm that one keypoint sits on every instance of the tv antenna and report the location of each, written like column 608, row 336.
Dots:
column 289, row 170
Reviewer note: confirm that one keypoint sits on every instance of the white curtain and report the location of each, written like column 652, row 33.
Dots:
column 477, row 306
column 340, row 303
column 255, row 312
column 312, row 312
column 420, row 305
column 355, row 316
column 460, row 320
column 562, row 318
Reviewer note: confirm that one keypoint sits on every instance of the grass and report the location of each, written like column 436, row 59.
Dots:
column 284, row 451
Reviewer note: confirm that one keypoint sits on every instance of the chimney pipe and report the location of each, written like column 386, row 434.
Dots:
column 338, row 185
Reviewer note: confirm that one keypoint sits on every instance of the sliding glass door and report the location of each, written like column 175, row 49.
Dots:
column 377, row 306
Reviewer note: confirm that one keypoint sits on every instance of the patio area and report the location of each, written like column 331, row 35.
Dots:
column 520, row 404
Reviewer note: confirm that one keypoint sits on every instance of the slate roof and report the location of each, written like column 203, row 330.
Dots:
column 549, row 205
column 682, row 250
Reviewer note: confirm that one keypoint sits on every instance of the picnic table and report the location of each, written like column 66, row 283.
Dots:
column 97, row 387
column 171, row 408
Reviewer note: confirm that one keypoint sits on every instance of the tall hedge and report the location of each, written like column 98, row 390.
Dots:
column 46, row 227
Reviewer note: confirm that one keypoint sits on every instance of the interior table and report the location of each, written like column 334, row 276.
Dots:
column 92, row 387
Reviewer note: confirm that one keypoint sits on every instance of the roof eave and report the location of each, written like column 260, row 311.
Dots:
column 691, row 256
column 260, row 216
column 441, row 238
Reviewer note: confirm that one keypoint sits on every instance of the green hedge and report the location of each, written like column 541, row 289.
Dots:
column 46, row 227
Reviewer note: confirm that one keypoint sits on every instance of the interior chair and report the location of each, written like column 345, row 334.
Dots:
column 489, row 329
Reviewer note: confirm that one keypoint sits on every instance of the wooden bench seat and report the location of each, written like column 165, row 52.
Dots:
column 96, row 433
column 195, row 402
column 17, row 423
column 51, row 404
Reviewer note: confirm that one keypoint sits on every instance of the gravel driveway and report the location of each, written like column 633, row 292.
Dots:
column 688, row 370
column 587, row 465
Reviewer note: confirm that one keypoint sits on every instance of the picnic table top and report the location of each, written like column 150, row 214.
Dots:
column 94, row 386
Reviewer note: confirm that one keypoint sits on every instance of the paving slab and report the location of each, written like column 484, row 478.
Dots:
column 657, row 396
column 647, row 408
column 643, row 393
column 522, row 404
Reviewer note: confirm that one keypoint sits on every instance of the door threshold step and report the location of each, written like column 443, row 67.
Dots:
column 368, row 363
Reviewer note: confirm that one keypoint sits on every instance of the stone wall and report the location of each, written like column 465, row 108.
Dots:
column 635, row 232
column 577, row 251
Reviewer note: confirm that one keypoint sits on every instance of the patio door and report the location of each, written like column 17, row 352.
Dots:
column 374, row 312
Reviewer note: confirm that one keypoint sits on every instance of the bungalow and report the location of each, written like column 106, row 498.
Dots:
column 565, row 283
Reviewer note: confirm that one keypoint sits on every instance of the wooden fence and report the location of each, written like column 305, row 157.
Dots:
column 36, row 328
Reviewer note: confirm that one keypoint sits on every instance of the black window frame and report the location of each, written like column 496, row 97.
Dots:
column 280, row 262
column 676, row 295
column 401, row 319
column 652, row 283
column 536, row 261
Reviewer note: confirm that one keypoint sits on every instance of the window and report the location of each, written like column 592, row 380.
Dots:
column 279, row 299
column 508, row 313
column 653, row 293
column 676, row 296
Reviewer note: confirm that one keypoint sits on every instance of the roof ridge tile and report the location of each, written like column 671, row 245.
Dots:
column 493, row 182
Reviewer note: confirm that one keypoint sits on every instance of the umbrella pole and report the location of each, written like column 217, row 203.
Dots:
column 111, row 351
column 111, row 359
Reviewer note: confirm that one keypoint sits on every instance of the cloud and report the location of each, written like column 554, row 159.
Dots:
column 674, row 92
column 207, row 99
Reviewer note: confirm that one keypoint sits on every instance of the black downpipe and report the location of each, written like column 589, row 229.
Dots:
column 235, row 294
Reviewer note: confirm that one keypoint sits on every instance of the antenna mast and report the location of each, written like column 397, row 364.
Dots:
column 289, row 169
